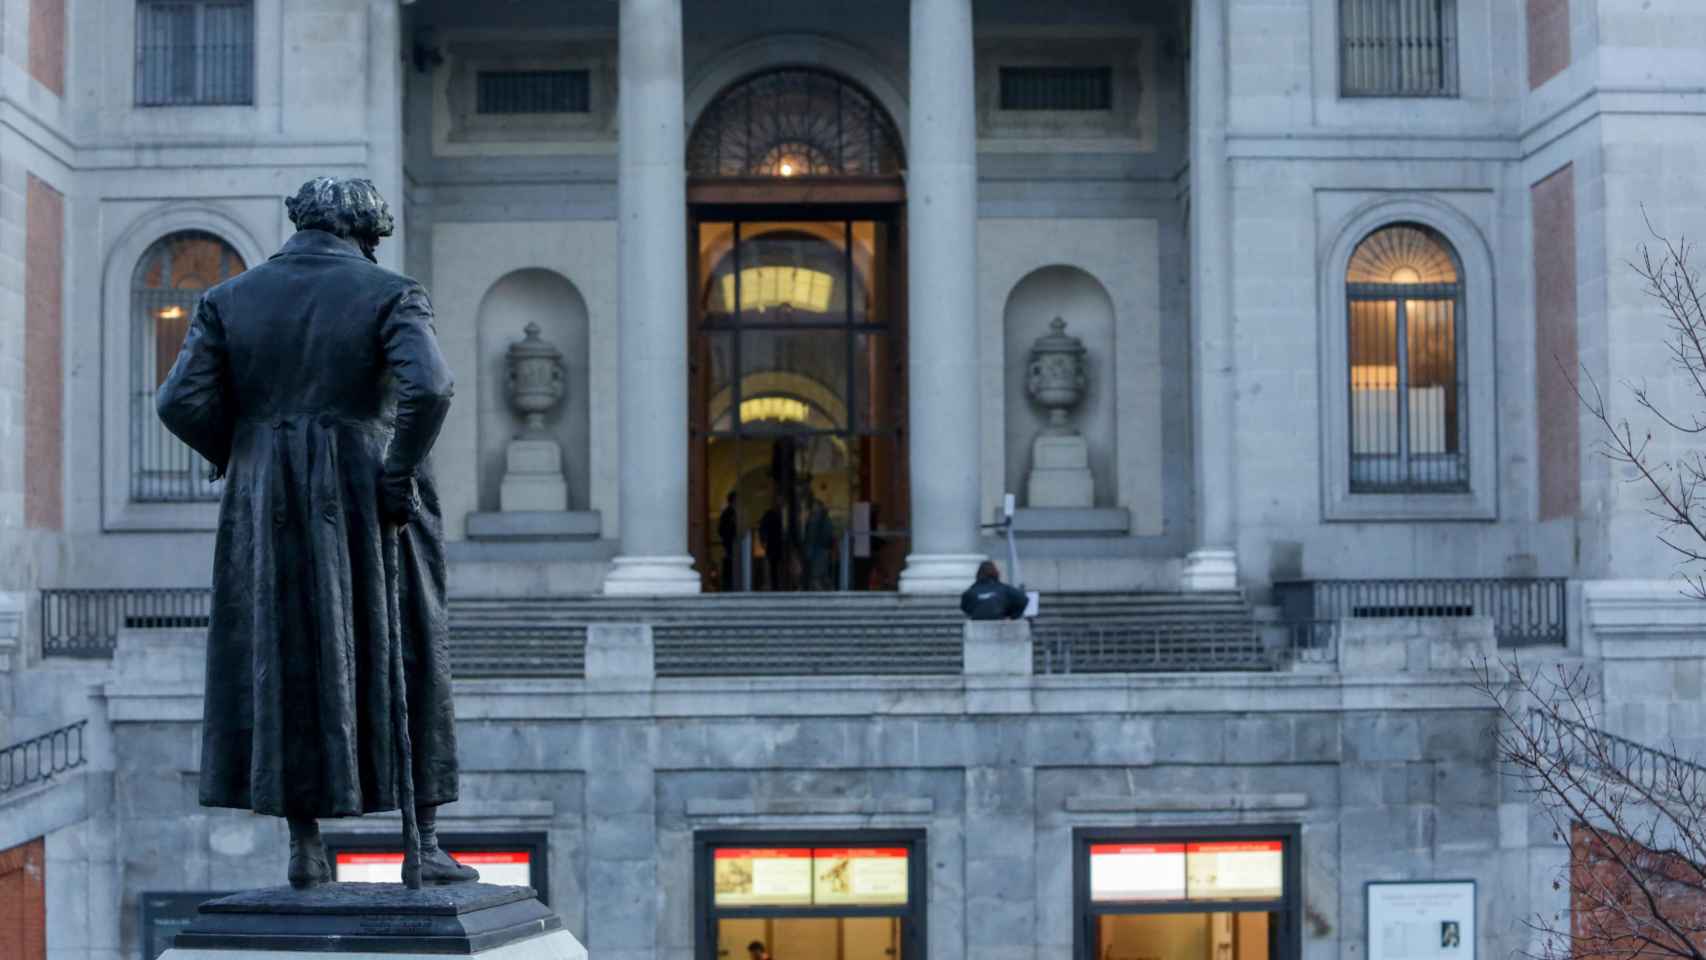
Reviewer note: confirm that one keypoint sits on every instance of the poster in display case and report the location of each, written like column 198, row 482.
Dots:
column 1421, row 920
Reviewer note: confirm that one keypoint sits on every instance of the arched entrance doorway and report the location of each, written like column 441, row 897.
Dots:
column 798, row 337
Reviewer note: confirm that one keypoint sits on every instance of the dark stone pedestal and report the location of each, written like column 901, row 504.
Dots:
column 465, row 919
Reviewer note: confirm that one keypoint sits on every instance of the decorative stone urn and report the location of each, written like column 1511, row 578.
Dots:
column 536, row 382
column 533, row 478
column 1060, row 457
column 1057, row 378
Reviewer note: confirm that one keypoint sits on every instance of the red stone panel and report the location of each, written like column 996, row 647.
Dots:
column 1552, row 203
column 23, row 902
column 1548, row 40
column 44, row 363
column 47, row 44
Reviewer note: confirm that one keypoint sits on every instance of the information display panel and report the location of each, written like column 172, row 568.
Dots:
column 1134, row 872
column 768, row 876
column 859, row 876
column 1235, row 870
column 1422, row 920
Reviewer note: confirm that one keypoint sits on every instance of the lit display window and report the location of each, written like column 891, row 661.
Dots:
column 1170, row 894
column 505, row 859
column 836, row 895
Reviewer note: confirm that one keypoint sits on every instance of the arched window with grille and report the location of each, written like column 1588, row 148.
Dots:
column 1408, row 393
column 168, row 283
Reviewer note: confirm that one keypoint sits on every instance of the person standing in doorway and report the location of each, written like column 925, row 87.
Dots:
column 728, row 531
column 820, row 546
column 772, row 534
column 755, row 951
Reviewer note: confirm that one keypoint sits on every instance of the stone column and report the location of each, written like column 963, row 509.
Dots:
column 941, row 205
column 651, row 204
column 385, row 118
column 1213, row 560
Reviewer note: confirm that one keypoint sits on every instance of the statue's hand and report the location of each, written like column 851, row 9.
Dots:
column 399, row 500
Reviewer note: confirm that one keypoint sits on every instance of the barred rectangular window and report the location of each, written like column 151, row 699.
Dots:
column 195, row 52
column 1057, row 88
column 1398, row 48
column 533, row 91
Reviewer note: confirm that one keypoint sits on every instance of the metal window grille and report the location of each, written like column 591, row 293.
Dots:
column 533, row 91
column 1057, row 88
column 1408, row 396
column 168, row 286
column 1398, row 48
column 794, row 121
column 195, row 52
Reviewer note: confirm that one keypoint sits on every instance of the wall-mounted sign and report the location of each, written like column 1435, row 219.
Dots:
column 809, row 876
column 512, row 868
column 1235, row 870
column 1124, row 872
column 1422, row 920
column 860, row 876
column 745, row 876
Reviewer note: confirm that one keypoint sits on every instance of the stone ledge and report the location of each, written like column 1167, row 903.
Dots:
column 797, row 806
column 1186, row 803
column 1071, row 522
column 526, row 525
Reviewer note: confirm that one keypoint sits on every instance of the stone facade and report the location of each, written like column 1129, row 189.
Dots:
column 1196, row 234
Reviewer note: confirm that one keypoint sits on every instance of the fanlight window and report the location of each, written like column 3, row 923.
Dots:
column 794, row 123
column 1408, row 397
column 169, row 282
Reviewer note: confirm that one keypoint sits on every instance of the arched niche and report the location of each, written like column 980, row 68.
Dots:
column 550, row 300
column 1080, row 299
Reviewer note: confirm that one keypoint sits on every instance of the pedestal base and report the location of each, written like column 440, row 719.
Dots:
column 533, row 478
column 651, row 576
column 1060, row 472
column 1207, row 570
column 361, row 920
column 939, row 572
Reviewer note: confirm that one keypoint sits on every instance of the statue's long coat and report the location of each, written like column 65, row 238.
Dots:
column 303, row 380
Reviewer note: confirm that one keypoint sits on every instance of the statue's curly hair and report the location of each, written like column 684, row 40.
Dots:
column 349, row 207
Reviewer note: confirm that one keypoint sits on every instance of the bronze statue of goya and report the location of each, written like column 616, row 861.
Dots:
column 314, row 385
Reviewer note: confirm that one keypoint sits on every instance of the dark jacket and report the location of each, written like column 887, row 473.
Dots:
column 314, row 384
column 990, row 599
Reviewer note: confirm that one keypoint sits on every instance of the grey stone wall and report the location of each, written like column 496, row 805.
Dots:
column 1388, row 775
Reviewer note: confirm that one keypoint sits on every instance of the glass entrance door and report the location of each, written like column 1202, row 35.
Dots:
column 798, row 405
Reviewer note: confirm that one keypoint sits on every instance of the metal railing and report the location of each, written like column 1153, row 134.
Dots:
column 39, row 759
column 1525, row 611
column 1149, row 648
column 742, row 649
column 1656, row 771
column 86, row 623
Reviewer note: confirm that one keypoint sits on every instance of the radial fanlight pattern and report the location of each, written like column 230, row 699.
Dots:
column 792, row 123
column 1403, row 253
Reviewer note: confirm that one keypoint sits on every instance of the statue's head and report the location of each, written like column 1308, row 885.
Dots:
column 349, row 207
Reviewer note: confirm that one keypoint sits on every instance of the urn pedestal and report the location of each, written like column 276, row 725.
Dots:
column 1060, row 457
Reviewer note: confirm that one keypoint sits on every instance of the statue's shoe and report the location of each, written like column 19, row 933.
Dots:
column 308, row 867
column 437, row 867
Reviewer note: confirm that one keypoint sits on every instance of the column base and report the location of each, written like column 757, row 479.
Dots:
column 651, row 576
column 1207, row 570
column 939, row 572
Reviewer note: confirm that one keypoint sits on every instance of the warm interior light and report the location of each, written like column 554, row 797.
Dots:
column 1374, row 376
column 782, row 409
column 1406, row 275
column 785, row 168
column 173, row 312
column 764, row 287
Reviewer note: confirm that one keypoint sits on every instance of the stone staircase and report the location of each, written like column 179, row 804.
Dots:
column 759, row 634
